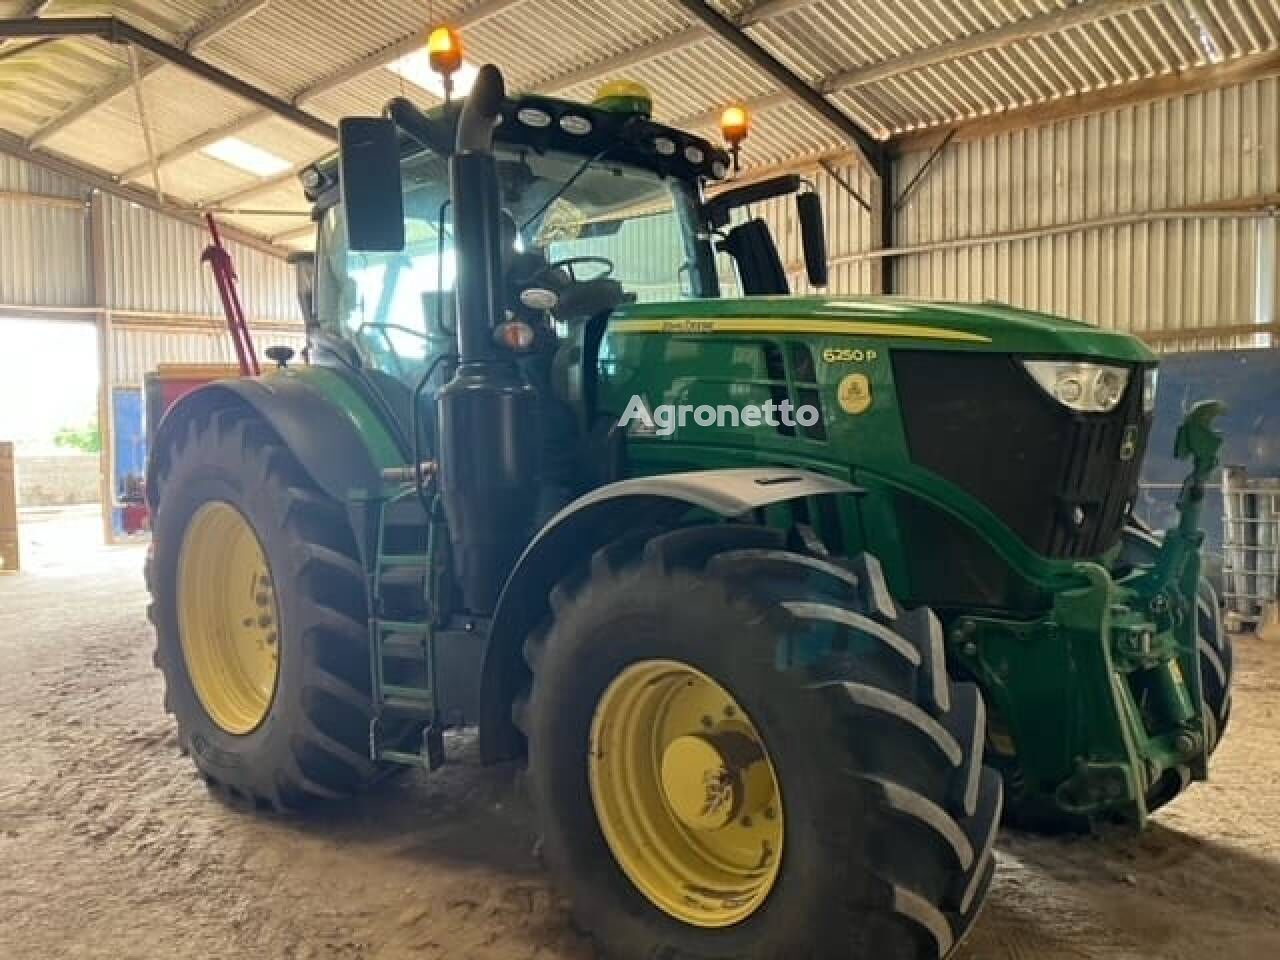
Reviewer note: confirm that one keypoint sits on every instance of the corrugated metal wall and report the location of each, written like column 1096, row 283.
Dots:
column 43, row 247
column 154, row 274
column 155, row 267
column 136, row 351
column 24, row 177
column 1138, row 163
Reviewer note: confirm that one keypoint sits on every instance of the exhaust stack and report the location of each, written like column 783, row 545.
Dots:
column 489, row 442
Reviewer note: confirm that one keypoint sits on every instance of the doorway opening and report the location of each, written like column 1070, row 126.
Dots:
column 49, row 411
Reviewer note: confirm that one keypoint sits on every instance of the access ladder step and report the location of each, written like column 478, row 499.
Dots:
column 406, row 628
column 430, row 756
column 392, row 561
column 402, row 649
column 404, row 577
column 411, row 706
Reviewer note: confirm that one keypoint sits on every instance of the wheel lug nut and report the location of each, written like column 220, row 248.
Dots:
column 264, row 621
column 707, row 721
column 261, row 599
column 746, row 821
column 729, row 711
column 271, row 639
column 247, row 622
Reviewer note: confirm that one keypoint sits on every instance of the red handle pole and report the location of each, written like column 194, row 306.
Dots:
column 224, row 275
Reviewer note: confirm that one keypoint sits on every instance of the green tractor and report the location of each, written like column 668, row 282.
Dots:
column 779, row 597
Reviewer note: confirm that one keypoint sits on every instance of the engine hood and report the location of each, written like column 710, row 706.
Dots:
column 939, row 324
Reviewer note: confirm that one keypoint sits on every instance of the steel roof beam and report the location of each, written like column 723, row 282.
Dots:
column 236, row 194
column 214, row 29
column 477, row 14
column 593, row 71
column 671, row 43
column 481, row 11
column 114, row 30
column 1056, row 20
column 872, row 150
column 34, row 9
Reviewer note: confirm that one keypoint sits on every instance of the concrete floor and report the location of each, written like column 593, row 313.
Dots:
column 110, row 847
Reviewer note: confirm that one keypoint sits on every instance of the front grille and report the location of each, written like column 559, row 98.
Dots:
column 1062, row 481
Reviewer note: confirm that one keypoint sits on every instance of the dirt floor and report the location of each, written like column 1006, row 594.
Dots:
column 111, row 847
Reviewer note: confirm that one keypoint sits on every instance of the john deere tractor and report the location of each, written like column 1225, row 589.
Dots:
column 774, row 669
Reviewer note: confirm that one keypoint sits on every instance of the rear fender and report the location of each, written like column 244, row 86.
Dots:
column 573, row 535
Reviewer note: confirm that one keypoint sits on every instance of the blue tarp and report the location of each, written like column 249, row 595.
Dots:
column 1248, row 382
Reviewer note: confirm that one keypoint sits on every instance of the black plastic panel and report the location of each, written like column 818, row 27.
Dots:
column 1062, row 481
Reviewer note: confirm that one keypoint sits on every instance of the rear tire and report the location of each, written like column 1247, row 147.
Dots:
column 890, row 816
column 312, row 742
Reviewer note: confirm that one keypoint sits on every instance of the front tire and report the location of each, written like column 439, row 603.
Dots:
column 273, row 739
column 888, row 818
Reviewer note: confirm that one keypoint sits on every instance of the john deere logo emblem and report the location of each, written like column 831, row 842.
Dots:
column 1128, row 444
column 854, row 393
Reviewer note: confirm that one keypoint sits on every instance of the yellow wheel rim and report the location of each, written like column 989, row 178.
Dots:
column 228, row 618
column 686, row 793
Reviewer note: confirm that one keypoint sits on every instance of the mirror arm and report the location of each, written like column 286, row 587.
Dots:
column 433, row 134
column 719, row 207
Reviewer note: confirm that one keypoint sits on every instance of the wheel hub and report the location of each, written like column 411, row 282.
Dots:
column 228, row 618
column 685, row 793
column 698, row 784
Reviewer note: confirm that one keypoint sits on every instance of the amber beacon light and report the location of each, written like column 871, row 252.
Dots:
column 735, row 124
column 444, row 51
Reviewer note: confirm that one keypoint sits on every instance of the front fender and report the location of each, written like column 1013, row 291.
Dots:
column 593, row 520
column 326, row 424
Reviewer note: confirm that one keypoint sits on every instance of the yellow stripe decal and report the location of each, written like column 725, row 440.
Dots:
column 763, row 325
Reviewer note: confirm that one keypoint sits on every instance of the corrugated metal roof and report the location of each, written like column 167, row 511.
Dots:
column 895, row 66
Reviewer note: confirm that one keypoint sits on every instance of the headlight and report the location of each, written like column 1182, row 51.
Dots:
column 1083, row 387
column 1150, row 379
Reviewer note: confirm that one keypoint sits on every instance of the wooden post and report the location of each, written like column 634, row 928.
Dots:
column 10, row 559
column 106, row 373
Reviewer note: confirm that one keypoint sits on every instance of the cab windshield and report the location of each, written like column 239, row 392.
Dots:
column 641, row 230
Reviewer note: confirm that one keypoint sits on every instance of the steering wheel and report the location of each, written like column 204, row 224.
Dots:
column 568, row 264
column 369, row 329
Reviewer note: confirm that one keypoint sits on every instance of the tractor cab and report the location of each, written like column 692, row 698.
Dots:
column 600, row 207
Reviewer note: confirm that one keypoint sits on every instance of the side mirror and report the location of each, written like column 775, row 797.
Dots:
column 813, row 237
column 371, row 193
column 304, row 277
